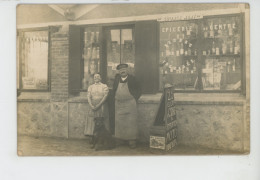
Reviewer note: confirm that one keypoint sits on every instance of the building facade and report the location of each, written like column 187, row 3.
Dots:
column 201, row 49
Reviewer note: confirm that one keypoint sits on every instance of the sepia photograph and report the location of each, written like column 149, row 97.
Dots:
column 136, row 79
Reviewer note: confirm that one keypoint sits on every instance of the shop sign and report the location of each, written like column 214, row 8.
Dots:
column 157, row 142
column 179, row 17
column 164, row 132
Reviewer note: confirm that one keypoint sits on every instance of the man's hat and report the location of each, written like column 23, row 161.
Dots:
column 120, row 66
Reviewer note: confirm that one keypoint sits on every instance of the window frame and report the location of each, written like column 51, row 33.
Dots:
column 200, row 56
column 20, row 33
column 102, row 41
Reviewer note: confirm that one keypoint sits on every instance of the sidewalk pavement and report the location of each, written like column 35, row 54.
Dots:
column 49, row 146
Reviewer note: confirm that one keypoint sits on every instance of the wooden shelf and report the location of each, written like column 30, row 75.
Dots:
column 223, row 55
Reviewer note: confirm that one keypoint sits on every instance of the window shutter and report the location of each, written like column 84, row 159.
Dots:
column 74, row 59
column 146, row 55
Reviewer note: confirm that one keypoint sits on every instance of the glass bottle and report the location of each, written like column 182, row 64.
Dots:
column 177, row 49
column 185, row 48
column 182, row 49
column 97, row 52
column 173, row 49
column 92, row 37
column 86, row 38
column 230, row 31
column 236, row 49
column 231, row 50
column 217, row 50
column 224, row 48
column 205, row 32
column 97, row 37
column 189, row 49
column 213, row 50
column 211, row 32
column 234, row 65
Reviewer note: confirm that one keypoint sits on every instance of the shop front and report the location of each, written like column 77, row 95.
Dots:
column 202, row 54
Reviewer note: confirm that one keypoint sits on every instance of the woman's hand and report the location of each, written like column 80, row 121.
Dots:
column 97, row 106
column 91, row 106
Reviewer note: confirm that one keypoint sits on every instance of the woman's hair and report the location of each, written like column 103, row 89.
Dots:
column 97, row 73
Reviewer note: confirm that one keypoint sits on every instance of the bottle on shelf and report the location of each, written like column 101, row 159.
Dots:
column 97, row 37
column 205, row 29
column 167, row 50
column 224, row 48
column 189, row 51
column 92, row 37
column 195, row 52
column 188, row 33
column 86, row 38
column 186, row 48
column 236, row 48
column 94, row 53
column 234, row 65
column 98, row 53
column 213, row 49
column 231, row 50
column 173, row 48
column 217, row 50
column 177, row 49
column 181, row 49
column 228, row 66
column 89, row 53
column 182, row 36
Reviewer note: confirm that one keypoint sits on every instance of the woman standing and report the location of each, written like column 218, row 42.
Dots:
column 97, row 94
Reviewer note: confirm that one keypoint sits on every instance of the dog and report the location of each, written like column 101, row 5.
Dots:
column 102, row 138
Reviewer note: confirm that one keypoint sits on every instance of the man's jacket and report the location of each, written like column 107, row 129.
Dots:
column 133, row 86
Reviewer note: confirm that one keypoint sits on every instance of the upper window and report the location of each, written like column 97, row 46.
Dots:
column 202, row 55
column 33, row 60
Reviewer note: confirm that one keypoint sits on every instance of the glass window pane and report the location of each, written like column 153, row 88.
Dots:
column 128, row 49
column 91, row 56
column 221, row 66
column 35, row 60
column 178, row 55
column 113, row 54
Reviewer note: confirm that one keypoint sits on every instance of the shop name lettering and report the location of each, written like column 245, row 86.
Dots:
column 189, row 28
column 175, row 18
column 176, row 29
column 222, row 26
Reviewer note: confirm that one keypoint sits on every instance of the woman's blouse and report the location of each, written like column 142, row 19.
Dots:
column 97, row 91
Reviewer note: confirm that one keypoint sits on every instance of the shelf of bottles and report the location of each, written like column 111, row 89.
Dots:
column 90, row 55
column 221, row 62
column 178, row 55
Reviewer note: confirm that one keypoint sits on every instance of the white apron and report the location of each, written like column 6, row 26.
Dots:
column 125, row 114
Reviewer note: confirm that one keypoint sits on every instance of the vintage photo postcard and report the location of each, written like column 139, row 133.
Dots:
column 133, row 79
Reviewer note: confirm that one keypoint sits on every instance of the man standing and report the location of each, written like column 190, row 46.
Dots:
column 126, row 91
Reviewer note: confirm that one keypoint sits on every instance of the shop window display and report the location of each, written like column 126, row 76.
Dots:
column 33, row 60
column 202, row 54
column 178, row 54
column 221, row 61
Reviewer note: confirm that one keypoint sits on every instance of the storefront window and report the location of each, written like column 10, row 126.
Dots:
column 119, row 49
column 178, row 54
column 221, row 65
column 202, row 54
column 34, row 60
